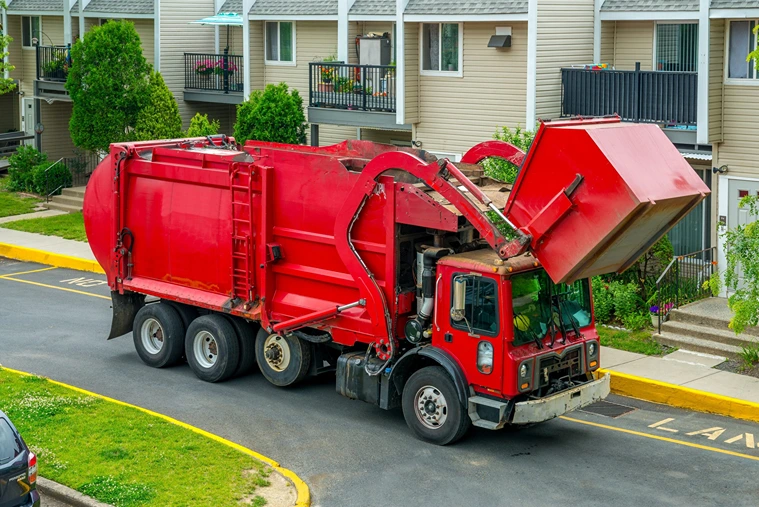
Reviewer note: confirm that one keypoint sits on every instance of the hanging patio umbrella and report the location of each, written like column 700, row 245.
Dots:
column 222, row 19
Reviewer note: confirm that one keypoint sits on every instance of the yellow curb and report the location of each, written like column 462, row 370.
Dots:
column 304, row 494
column 21, row 253
column 680, row 396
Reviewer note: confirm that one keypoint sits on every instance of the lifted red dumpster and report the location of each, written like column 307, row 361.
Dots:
column 385, row 265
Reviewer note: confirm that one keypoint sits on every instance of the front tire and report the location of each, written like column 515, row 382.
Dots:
column 432, row 408
column 158, row 334
column 211, row 348
column 283, row 360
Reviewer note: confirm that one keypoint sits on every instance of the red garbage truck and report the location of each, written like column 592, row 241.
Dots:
column 421, row 283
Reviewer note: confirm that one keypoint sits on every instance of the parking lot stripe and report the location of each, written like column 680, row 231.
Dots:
column 302, row 490
column 6, row 277
column 30, row 272
column 663, row 439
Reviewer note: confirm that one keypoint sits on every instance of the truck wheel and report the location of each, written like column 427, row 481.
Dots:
column 158, row 335
column 186, row 312
column 283, row 360
column 246, row 339
column 432, row 408
column 211, row 348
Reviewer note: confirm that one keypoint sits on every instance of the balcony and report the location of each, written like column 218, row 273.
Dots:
column 216, row 78
column 352, row 95
column 53, row 64
column 669, row 99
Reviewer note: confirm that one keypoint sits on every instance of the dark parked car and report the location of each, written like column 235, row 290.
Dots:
column 18, row 468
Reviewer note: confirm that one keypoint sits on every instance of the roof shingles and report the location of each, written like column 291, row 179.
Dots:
column 435, row 7
column 294, row 8
column 650, row 5
column 120, row 6
column 36, row 5
column 735, row 4
column 374, row 7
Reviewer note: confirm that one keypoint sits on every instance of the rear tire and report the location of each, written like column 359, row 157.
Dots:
column 158, row 334
column 211, row 348
column 283, row 360
column 246, row 335
column 186, row 312
column 432, row 408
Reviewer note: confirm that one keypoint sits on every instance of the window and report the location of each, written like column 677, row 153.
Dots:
column 30, row 31
column 481, row 305
column 10, row 447
column 441, row 48
column 280, row 42
column 677, row 47
column 741, row 42
column 539, row 305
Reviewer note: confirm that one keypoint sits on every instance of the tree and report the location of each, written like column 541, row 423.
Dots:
column 274, row 114
column 200, row 126
column 108, row 84
column 159, row 118
column 504, row 170
column 6, row 85
column 754, row 55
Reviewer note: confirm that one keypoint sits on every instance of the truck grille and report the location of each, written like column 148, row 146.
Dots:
column 555, row 366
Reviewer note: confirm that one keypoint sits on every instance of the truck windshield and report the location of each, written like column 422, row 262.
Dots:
column 538, row 302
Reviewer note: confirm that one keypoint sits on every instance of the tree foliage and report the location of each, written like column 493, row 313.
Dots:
column 159, row 118
column 742, row 273
column 754, row 55
column 274, row 114
column 503, row 170
column 6, row 85
column 201, row 126
column 108, row 84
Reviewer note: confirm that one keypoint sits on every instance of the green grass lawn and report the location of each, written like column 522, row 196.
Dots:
column 70, row 226
column 13, row 204
column 631, row 341
column 122, row 456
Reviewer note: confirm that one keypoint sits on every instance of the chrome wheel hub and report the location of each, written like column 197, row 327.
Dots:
column 431, row 407
column 151, row 335
column 277, row 353
column 205, row 349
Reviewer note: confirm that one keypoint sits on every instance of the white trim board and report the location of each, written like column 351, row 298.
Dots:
column 371, row 17
column 649, row 15
column 294, row 17
column 734, row 13
column 442, row 73
column 462, row 18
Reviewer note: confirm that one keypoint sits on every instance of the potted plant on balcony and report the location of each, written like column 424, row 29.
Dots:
column 327, row 74
column 220, row 69
column 57, row 68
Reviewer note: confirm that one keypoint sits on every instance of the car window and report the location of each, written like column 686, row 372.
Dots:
column 10, row 446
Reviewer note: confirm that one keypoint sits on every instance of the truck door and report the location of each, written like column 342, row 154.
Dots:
column 474, row 335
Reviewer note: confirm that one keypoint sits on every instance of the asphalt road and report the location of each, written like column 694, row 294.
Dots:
column 354, row 454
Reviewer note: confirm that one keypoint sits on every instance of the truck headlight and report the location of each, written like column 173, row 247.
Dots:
column 524, row 382
column 485, row 357
column 592, row 349
column 523, row 371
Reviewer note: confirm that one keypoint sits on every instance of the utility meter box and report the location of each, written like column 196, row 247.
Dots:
column 374, row 50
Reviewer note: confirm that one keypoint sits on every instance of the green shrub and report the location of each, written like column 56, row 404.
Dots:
column 636, row 321
column 504, row 170
column 20, row 170
column 200, row 126
column 603, row 302
column 159, row 119
column 48, row 178
column 274, row 114
column 627, row 302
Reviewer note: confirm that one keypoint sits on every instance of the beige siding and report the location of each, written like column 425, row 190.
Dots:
column 607, row 42
column 385, row 136
column 314, row 41
column 55, row 140
column 178, row 36
column 9, row 114
column 257, row 70
column 145, row 30
column 565, row 38
column 413, row 79
column 716, row 73
column 15, row 53
column 634, row 42
column 457, row 113
column 354, row 29
column 740, row 149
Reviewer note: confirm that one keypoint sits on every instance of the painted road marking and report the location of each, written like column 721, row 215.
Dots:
column 85, row 282
column 660, row 425
column 54, row 287
column 712, row 433
column 28, row 272
column 661, row 438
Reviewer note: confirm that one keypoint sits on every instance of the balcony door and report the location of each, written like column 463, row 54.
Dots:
column 28, row 116
column 676, row 47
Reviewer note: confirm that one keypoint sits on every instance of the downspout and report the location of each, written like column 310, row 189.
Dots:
column 247, row 5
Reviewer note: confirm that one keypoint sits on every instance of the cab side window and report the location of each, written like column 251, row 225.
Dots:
column 480, row 314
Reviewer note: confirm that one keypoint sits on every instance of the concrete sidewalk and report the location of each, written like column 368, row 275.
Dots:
column 51, row 244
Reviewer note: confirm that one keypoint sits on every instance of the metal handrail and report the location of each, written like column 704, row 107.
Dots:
column 47, row 180
column 352, row 86
column 672, row 280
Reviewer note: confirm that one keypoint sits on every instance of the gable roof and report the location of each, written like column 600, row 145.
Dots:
column 436, row 7
column 36, row 5
column 294, row 8
column 120, row 6
column 374, row 7
column 650, row 5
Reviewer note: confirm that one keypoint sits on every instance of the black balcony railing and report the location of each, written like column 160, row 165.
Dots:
column 640, row 96
column 53, row 63
column 213, row 72
column 352, row 87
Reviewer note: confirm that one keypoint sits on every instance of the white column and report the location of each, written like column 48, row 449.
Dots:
column 67, row 35
column 597, row 32
column 6, row 72
column 702, row 135
column 342, row 30
column 246, row 6
column 156, row 35
column 532, row 63
column 81, row 19
column 400, row 62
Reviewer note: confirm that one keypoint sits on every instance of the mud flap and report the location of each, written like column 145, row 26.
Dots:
column 125, row 308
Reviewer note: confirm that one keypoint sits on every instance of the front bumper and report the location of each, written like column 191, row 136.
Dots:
column 535, row 411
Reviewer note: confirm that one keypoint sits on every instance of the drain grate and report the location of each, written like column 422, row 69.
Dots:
column 607, row 409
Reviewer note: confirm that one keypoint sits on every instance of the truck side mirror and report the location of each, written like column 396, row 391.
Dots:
column 459, row 298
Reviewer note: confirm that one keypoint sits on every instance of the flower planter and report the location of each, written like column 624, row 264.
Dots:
column 655, row 320
column 326, row 87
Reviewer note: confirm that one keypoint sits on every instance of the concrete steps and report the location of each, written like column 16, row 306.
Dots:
column 71, row 200
column 703, row 327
